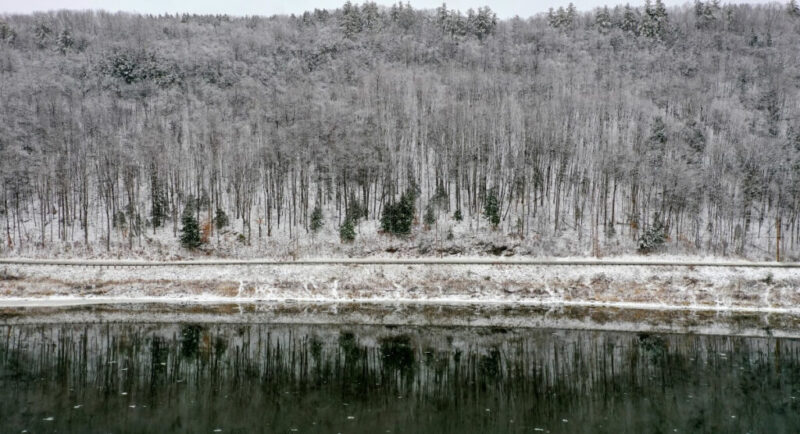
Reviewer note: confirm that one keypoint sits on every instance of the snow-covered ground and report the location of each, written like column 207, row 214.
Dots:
column 660, row 260
column 470, row 238
column 631, row 286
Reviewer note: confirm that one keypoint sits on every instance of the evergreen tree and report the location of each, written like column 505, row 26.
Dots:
column 220, row 219
column 64, row 41
column 661, row 16
column 355, row 211
column 7, row 34
column 442, row 18
column 190, row 232
column 655, row 22
column 406, row 214
column 491, row 209
column 705, row 13
column 350, row 21
column 649, row 25
column 602, row 20
column 484, row 22
column 347, row 231
column 630, row 21
column 388, row 218
column 159, row 204
column 370, row 17
column 120, row 221
column 562, row 18
column 398, row 217
column 457, row 215
column 316, row 219
column 572, row 14
column 403, row 15
column 552, row 18
column 698, row 8
column 42, row 34
column 654, row 237
column 456, row 25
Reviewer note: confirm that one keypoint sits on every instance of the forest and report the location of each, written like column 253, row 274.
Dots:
column 625, row 129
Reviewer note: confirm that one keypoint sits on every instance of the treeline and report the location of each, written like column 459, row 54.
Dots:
column 592, row 125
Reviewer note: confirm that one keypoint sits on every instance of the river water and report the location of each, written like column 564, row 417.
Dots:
column 349, row 378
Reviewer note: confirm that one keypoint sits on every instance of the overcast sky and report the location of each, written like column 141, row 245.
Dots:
column 504, row 8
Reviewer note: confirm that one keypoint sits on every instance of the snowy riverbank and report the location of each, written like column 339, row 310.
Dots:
column 667, row 286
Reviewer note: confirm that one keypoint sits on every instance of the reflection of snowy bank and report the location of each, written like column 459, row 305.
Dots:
column 491, row 315
column 639, row 286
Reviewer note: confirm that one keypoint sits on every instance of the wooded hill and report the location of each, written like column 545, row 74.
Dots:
column 640, row 123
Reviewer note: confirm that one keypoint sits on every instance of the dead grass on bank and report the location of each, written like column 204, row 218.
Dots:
column 474, row 286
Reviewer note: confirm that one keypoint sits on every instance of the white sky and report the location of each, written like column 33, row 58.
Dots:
column 504, row 8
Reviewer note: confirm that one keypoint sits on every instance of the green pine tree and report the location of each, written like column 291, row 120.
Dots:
column 317, row 219
column 491, row 209
column 190, row 232
column 350, row 21
column 355, row 211
column 7, row 34
column 398, row 217
column 159, row 204
column 655, row 23
column 654, row 237
column 220, row 219
column 347, row 231
column 64, row 41
column 630, row 21
column 602, row 20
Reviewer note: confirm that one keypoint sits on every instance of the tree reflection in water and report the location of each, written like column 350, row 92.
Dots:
column 276, row 378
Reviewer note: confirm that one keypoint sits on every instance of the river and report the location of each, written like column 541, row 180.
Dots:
column 254, row 376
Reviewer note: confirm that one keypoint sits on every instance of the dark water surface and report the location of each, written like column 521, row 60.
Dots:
column 243, row 378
